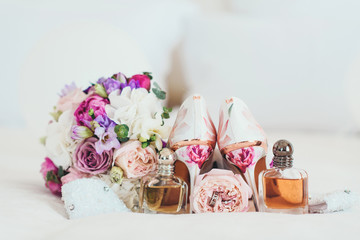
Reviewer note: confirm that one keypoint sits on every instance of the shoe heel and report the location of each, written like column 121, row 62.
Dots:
column 193, row 136
column 242, row 141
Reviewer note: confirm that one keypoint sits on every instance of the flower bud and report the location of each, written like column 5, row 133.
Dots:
column 116, row 175
column 100, row 90
column 120, row 77
column 81, row 132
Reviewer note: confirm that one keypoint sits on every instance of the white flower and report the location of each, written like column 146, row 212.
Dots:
column 140, row 110
column 59, row 144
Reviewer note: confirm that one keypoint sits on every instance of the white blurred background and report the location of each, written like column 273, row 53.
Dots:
column 295, row 63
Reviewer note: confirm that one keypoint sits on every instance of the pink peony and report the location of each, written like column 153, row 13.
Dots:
column 134, row 160
column 49, row 172
column 94, row 102
column 86, row 159
column 243, row 158
column 71, row 100
column 144, row 81
column 73, row 175
column 220, row 191
column 198, row 154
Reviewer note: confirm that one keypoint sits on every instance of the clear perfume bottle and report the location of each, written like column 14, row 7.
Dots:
column 163, row 192
column 283, row 189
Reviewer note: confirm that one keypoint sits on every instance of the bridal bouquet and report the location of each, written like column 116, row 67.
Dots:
column 112, row 130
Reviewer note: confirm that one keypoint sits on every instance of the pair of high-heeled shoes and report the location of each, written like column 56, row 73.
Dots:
column 240, row 139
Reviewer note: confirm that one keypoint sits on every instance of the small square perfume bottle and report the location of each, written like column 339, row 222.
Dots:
column 163, row 192
column 283, row 189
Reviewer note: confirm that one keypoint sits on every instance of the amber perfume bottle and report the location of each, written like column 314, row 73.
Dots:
column 283, row 189
column 163, row 192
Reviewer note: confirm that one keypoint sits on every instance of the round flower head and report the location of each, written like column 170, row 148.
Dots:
column 96, row 104
column 87, row 160
column 134, row 160
column 220, row 191
column 143, row 80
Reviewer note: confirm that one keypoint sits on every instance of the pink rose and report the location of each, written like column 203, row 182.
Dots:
column 94, row 102
column 73, row 175
column 50, row 175
column 71, row 100
column 198, row 154
column 86, row 159
column 243, row 158
column 220, row 191
column 134, row 160
column 144, row 81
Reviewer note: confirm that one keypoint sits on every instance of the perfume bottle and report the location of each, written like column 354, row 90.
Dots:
column 283, row 189
column 163, row 192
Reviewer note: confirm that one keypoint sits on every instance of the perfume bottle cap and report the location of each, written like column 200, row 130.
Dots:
column 167, row 156
column 283, row 151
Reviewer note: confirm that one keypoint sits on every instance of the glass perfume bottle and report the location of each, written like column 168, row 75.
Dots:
column 283, row 189
column 163, row 192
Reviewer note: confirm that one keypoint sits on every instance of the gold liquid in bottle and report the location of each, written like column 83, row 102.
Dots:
column 164, row 199
column 164, row 192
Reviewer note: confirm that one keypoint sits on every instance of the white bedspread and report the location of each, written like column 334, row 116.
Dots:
column 29, row 211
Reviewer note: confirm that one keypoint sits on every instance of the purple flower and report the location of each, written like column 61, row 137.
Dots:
column 104, row 121
column 132, row 84
column 106, row 134
column 107, row 139
column 88, row 161
column 68, row 89
column 109, row 84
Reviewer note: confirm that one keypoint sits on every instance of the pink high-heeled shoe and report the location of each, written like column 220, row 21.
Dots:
column 242, row 141
column 193, row 136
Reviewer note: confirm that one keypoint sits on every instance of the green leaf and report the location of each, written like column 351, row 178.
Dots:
column 51, row 177
column 145, row 144
column 165, row 115
column 56, row 114
column 91, row 113
column 148, row 74
column 153, row 138
column 157, row 85
column 60, row 172
column 168, row 110
column 159, row 93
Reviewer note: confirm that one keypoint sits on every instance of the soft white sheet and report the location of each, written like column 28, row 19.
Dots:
column 29, row 211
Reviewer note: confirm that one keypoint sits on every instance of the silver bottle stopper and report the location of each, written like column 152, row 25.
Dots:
column 166, row 159
column 283, row 151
